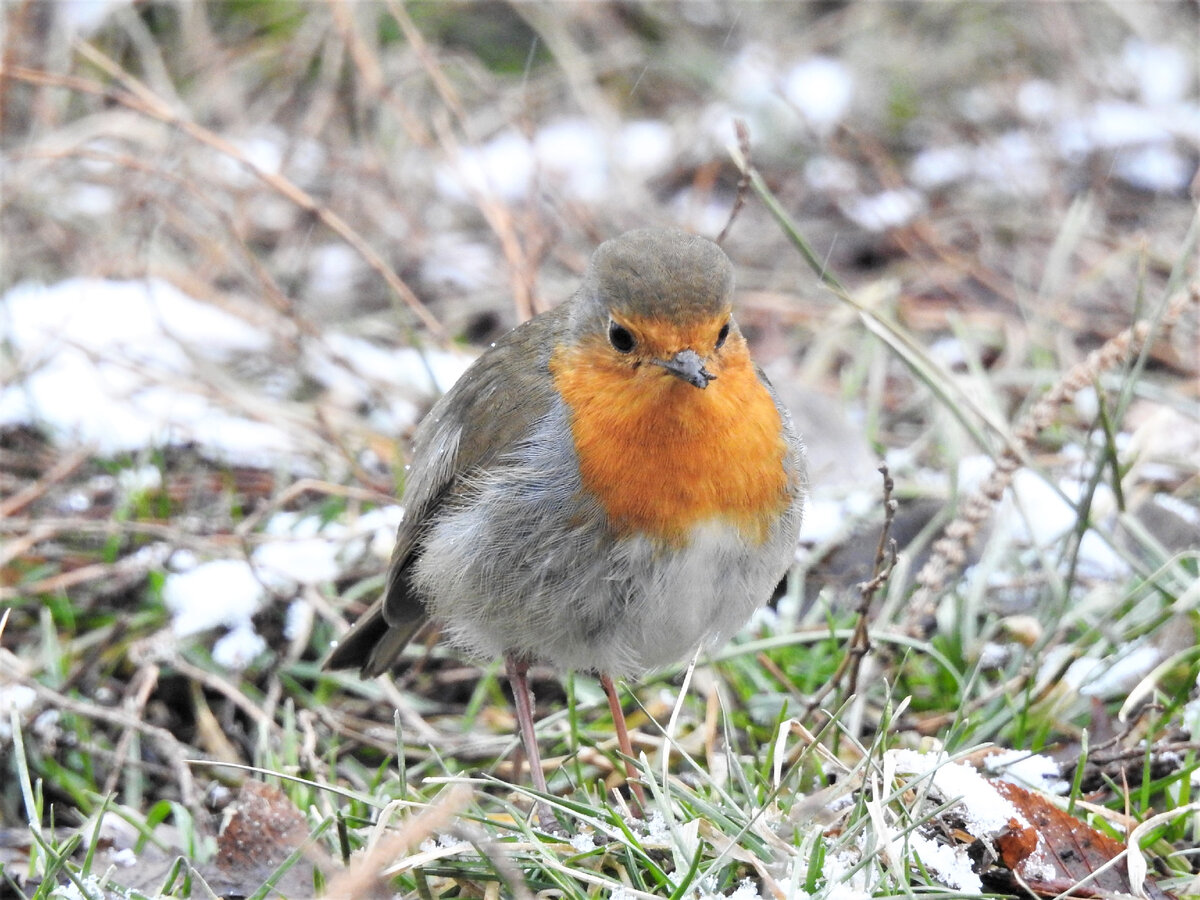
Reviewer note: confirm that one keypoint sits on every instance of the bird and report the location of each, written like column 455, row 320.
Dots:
column 609, row 487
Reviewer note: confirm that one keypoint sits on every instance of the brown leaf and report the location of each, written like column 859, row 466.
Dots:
column 264, row 830
column 1071, row 851
column 1016, row 844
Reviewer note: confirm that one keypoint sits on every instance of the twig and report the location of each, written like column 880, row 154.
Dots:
column 885, row 562
column 428, row 60
column 743, row 185
column 137, row 696
column 58, row 472
column 860, row 641
column 371, row 73
column 75, row 577
column 173, row 749
column 225, row 688
column 306, row 486
column 49, row 527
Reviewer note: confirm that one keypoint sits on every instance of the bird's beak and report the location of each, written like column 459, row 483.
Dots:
column 688, row 365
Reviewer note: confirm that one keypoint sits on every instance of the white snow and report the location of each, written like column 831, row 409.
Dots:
column 455, row 260
column 573, row 153
column 1163, row 73
column 840, row 883
column 582, row 842
column 304, row 551
column 1098, row 559
column 951, row 864
column 502, row 167
column 134, row 317
column 125, row 857
column 940, row 166
column 297, row 620
column 824, row 519
column 238, row 647
column 984, row 811
column 1157, row 168
column 1034, row 771
column 139, row 480
column 299, row 551
column 86, row 16
column 887, row 209
column 821, row 88
column 333, row 269
column 746, row 890
column 110, row 364
column 374, row 532
column 262, row 149
column 829, row 174
column 222, row 592
column 1014, row 161
column 406, row 368
column 1113, row 676
column 390, row 381
column 1191, row 722
column 14, row 698
column 88, row 199
column 644, row 146
column 752, row 75
column 1034, row 511
column 283, row 564
column 1038, row 100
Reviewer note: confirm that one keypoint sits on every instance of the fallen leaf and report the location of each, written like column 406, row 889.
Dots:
column 1068, row 851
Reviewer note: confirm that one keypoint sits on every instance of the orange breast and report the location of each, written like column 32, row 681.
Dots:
column 662, row 456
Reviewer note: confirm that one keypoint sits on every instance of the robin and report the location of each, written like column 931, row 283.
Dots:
column 610, row 486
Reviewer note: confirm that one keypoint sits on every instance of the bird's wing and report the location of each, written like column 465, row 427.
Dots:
column 488, row 411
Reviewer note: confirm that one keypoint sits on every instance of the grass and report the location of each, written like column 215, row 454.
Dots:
column 773, row 764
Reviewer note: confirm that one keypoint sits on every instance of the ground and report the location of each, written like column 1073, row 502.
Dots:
column 244, row 246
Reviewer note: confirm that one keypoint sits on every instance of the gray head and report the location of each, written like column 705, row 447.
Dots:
column 658, row 296
column 660, row 273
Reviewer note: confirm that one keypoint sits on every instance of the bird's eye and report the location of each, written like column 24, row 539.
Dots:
column 722, row 334
column 620, row 337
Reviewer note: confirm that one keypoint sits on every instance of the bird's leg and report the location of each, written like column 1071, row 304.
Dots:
column 618, row 714
column 518, row 676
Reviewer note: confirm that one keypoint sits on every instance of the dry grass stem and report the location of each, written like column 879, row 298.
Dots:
column 369, row 873
column 950, row 551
